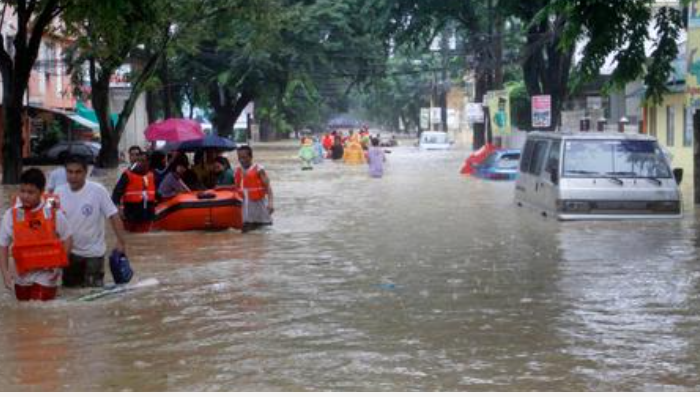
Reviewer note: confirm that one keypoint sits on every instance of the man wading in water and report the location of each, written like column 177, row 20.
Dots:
column 252, row 180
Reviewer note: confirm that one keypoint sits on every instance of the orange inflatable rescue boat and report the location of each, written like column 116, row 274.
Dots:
column 206, row 210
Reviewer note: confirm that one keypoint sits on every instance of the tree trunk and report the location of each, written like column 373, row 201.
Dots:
column 406, row 123
column 12, row 122
column 15, row 73
column 224, row 121
column 13, row 143
column 499, row 25
column 152, row 106
column 547, row 68
column 166, row 91
column 267, row 130
column 109, row 153
column 480, row 128
column 444, row 80
column 227, row 108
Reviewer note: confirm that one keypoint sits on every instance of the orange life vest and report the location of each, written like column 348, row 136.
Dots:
column 140, row 189
column 251, row 183
column 36, row 245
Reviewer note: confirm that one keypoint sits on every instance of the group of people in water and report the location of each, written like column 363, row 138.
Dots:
column 353, row 148
column 55, row 228
column 155, row 177
column 58, row 236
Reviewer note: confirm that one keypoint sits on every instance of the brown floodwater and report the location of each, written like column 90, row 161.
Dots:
column 423, row 280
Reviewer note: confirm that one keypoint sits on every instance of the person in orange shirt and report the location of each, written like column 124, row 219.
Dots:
column 40, row 237
column 252, row 180
column 135, row 192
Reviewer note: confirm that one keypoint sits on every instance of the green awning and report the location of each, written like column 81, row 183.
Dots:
column 87, row 113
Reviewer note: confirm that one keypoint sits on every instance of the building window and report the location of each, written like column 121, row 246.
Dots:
column 670, row 126
column 652, row 121
column 687, row 129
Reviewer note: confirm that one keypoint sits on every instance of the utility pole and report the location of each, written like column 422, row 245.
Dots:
column 444, row 86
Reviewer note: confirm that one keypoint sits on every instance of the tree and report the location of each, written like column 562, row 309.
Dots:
column 481, row 26
column 396, row 97
column 34, row 19
column 112, row 33
column 234, row 57
column 285, row 55
column 617, row 28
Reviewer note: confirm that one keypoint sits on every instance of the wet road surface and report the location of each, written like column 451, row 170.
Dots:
column 423, row 280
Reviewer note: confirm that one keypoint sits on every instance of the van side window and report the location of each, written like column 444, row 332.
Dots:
column 538, row 157
column 553, row 160
column 527, row 156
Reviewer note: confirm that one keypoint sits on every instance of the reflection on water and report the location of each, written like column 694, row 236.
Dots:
column 422, row 280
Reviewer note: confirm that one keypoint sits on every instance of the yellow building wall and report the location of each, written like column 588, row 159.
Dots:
column 682, row 154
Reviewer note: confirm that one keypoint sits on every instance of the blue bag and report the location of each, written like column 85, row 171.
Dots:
column 120, row 267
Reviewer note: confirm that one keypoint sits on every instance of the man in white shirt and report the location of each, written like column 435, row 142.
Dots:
column 87, row 204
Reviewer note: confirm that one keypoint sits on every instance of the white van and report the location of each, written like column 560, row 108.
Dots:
column 434, row 140
column 597, row 176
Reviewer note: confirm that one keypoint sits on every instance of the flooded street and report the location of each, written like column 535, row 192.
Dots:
column 423, row 280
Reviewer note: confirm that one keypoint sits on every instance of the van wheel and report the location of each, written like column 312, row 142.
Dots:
column 544, row 214
column 520, row 204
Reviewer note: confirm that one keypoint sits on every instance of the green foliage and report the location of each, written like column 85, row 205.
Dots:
column 520, row 106
column 620, row 28
column 299, row 58
column 408, row 85
column 53, row 135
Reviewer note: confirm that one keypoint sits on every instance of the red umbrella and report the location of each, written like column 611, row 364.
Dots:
column 174, row 130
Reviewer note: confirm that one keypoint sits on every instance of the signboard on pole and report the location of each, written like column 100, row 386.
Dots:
column 498, row 103
column 475, row 113
column 425, row 118
column 541, row 111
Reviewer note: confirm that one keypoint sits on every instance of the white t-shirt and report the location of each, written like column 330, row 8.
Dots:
column 86, row 211
column 48, row 278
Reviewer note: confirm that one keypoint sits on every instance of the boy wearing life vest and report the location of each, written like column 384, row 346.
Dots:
column 253, row 182
column 40, row 237
column 136, row 193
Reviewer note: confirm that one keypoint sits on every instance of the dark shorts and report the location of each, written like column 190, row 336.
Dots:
column 84, row 272
column 137, row 218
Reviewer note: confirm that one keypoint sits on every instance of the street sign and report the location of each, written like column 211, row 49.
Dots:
column 475, row 113
column 541, row 111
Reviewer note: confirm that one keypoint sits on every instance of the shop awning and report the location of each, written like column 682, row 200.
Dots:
column 89, row 114
column 84, row 122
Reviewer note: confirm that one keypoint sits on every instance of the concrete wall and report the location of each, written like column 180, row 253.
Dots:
column 136, row 126
column 682, row 151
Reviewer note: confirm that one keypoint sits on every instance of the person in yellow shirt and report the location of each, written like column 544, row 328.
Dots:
column 353, row 151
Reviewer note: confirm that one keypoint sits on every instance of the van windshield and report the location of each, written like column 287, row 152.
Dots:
column 614, row 158
column 434, row 138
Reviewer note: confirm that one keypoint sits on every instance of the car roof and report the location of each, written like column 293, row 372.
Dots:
column 508, row 151
column 433, row 133
column 591, row 135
